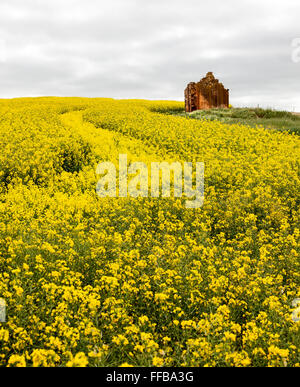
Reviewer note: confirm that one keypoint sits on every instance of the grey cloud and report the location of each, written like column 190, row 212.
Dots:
column 142, row 49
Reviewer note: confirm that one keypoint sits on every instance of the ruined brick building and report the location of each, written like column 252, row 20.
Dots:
column 206, row 94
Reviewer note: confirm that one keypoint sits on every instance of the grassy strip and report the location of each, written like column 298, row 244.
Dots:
column 279, row 120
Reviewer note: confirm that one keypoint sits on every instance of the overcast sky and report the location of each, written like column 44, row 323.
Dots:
column 151, row 48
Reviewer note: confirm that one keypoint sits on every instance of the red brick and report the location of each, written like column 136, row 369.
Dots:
column 207, row 94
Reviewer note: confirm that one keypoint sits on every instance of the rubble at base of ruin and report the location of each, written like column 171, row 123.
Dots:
column 207, row 94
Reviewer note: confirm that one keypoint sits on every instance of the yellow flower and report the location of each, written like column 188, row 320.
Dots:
column 157, row 361
column 17, row 361
column 44, row 358
column 80, row 360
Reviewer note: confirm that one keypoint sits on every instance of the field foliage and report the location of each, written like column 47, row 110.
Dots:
column 268, row 118
column 145, row 282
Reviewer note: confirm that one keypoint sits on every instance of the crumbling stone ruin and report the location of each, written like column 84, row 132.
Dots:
column 207, row 94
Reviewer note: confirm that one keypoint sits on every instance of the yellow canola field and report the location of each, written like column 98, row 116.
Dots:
column 145, row 282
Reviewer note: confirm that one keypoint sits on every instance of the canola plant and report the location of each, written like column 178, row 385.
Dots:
column 91, row 281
